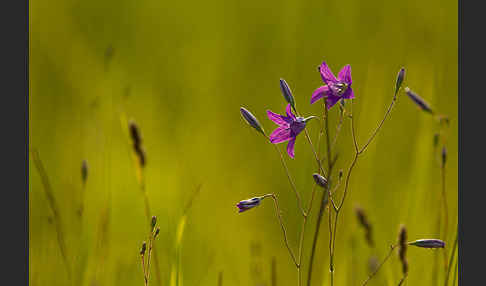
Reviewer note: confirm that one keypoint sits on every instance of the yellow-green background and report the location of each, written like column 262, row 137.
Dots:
column 181, row 70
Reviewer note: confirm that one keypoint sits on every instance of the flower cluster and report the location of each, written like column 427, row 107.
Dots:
column 291, row 124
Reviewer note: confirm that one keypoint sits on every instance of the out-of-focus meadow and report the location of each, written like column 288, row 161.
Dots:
column 181, row 70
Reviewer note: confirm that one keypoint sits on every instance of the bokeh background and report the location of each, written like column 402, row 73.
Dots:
column 181, row 70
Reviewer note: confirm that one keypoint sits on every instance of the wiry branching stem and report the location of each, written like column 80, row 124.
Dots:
column 324, row 194
column 358, row 152
column 284, row 230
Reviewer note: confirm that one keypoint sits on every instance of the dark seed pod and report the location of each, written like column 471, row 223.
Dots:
column 144, row 247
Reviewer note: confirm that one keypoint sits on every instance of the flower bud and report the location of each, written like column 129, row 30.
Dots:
column 251, row 119
column 248, row 204
column 287, row 93
column 418, row 100
column 428, row 243
column 157, row 231
column 320, row 180
column 400, row 77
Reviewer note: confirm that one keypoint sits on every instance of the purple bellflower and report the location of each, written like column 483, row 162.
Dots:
column 288, row 128
column 336, row 88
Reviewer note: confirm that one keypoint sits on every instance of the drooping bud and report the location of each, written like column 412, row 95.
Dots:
column 418, row 100
column 144, row 247
column 400, row 77
column 248, row 204
column 320, row 180
column 428, row 243
column 251, row 120
column 287, row 93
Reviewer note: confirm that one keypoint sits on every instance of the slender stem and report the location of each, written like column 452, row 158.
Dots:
column 323, row 198
column 274, row 271
column 453, row 253
column 149, row 218
column 287, row 172
column 144, row 272
column 402, row 280
column 379, row 266
column 309, row 206
column 446, row 210
column 390, row 107
column 455, row 273
column 148, row 259
column 346, row 187
column 54, row 208
column 284, row 230
column 338, row 129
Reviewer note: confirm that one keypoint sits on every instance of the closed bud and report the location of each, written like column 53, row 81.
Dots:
column 251, row 119
column 248, row 204
column 287, row 93
column 340, row 174
column 428, row 243
column 400, row 77
column 320, row 180
column 418, row 100
column 157, row 231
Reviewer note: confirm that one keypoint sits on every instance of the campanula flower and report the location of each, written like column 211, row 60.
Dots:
column 336, row 88
column 288, row 128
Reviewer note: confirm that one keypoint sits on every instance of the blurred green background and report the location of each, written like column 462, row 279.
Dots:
column 181, row 70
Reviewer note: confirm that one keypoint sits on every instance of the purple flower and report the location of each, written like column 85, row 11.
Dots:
column 335, row 88
column 428, row 243
column 248, row 204
column 288, row 128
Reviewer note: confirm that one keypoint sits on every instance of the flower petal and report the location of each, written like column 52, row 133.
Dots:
column 331, row 100
column 289, row 112
column 345, row 75
column 290, row 148
column 279, row 119
column 319, row 93
column 279, row 135
column 348, row 94
column 326, row 74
